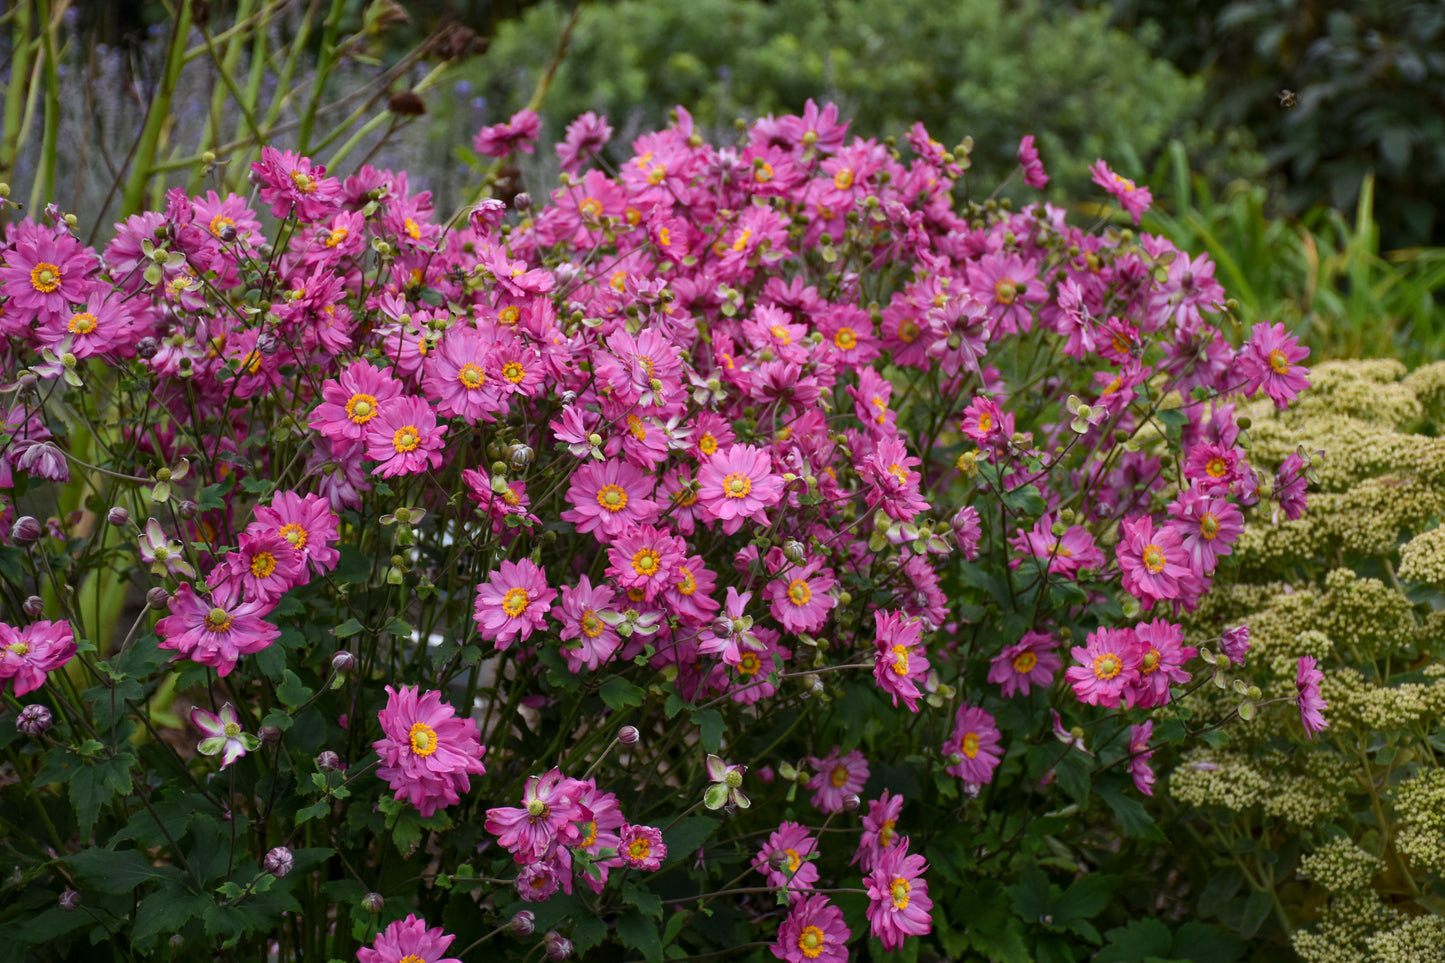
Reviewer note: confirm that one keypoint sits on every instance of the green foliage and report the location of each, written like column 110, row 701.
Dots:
column 985, row 69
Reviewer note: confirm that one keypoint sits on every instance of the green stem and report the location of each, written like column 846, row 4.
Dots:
column 331, row 29
column 157, row 115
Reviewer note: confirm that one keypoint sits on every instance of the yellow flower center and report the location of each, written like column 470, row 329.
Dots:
column 411, row 958
column 471, row 376
column 514, row 372
column 219, row 222
column 514, row 603
column 1024, row 662
column 590, row 208
column 684, row 498
column 749, row 664
column 688, row 583
column 707, row 444
column 1005, row 291
column 798, row 592
column 887, row 833
column 899, row 891
column 970, row 745
column 15, row 648
column 1107, row 665
column 657, row 174
column 263, row 564
column 763, row 173
column 509, row 315
column 646, row 562
column 218, row 620
column 839, row 776
column 336, row 237
column 1216, row 467
column 589, row 834
column 1278, row 363
column 45, row 277
column 899, row 472
column 412, row 231
column 845, row 339
column 781, row 333
column 406, row 439
column 294, row 534
column 361, row 408
column 82, row 323
column 736, row 485
column 742, row 242
column 612, row 498
column 794, row 860
column 303, row 182
column 811, row 942
column 900, row 659
column 423, row 739
column 591, row 625
column 843, row 179
column 636, row 428
column 639, row 848
column 1154, row 558
column 908, row 331
column 1150, row 662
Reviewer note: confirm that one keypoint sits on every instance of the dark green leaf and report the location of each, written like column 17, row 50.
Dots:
column 1133, row 818
column 117, row 871
column 1205, row 943
column 1073, row 775
column 686, row 836
column 588, row 932
column 619, row 694
column 710, row 729
column 291, row 691
column 639, row 933
column 1141, row 938
column 645, row 900
column 347, row 629
column 93, row 786
column 166, row 911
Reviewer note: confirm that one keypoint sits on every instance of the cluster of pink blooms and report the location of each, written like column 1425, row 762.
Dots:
column 697, row 373
column 563, row 821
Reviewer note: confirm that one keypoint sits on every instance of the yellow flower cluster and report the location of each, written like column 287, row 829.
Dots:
column 1421, row 803
column 1340, row 866
column 1345, row 930
column 1422, row 558
column 1302, row 791
column 1418, row 939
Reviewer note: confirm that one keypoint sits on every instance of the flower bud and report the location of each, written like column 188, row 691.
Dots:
column 373, row 902
column 26, row 530
column 158, row 598
column 227, row 233
column 343, row 662
column 146, row 348
column 117, row 516
column 33, row 606
column 69, row 899
column 270, row 735
column 34, row 719
column 327, row 760
column 793, row 551
column 278, row 862
column 524, row 923
column 522, row 201
column 188, row 509
column 851, row 802
column 628, row 735
column 521, row 457
column 558, row 946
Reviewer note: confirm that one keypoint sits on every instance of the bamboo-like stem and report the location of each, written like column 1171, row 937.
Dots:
column 157, row 115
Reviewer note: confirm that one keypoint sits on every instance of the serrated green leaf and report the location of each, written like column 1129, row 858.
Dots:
column 645, row 900
column 93, row 786
column 710, row 729
column 292, row 692
column 165, row 911
column 684, row 838
column 347, row 629
column 589, row 932
column 1133, row 818
column 639, row 933
column 118, row 870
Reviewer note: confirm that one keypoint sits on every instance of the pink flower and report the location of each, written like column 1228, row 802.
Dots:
column 880, row 832
column 1311, row 704
column 642, row 847
column 266, row 565
column 405, row 438
column 1109, row 663
column 513, row 603
column 456, row 377
column 610, row 497
column 1033, row 168
column 1029, row 662
column 986, row 423
column 548, row 815
column 306, row 522
column 223, row 734
column 44, row 271
column 901, row 659
column 800, row 599
column 975, row 744
column 219, row 631
column 352, row 400
column 1209, row 525
column 1290, row 486
column 291, row 185
column 163, row 554
column 837, row 776
column 584, row 140
column 898, row 902
column 1270, row 360
column 814, row 932
column 26, row 655
column 738, row 484
column 645, row 558
column 519, row 133
column 1134, row 200
column 593, row 641
column 427, row 754
column 538, row 882
column 967, row 531
column 1234, row 643
column 891, row 481
column 407, row 941
column 1152, row 562
column 1139, row 756
column 784, row 859
column 1162, row 655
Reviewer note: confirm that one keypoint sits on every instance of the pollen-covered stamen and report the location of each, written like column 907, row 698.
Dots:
column 423, row 739
column 1107, row 665
column 736, row 485
column 1150, row 662
column 514, row 372
column 970, row 745
column 263, row 564
column 295, row 534
column 45, row 277
column 1209, row 526
column 303, row 182
column 514, row 603
column 811, row 941
column 900, row 659
column 1005, row 291
column 1024, row 662
column 839, row 776
column 82, row 323
column 361, row 408
column 471, row 376
column 1278, row 363
column 798, row 592
column 406, row 439
column 646, row 562
column 899, row 892
column 218, row 620
column 592, row 626
column 1154, row 558
column 612, row 497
